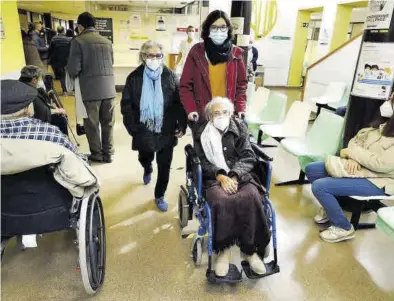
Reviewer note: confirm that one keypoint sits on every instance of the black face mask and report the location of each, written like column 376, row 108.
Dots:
column 218, row 53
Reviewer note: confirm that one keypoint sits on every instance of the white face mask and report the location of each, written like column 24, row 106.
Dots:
column 153, row 64
column 190, row 35
column 221, row 122
column 41, row 85
column 218, row 37
column 386, row 109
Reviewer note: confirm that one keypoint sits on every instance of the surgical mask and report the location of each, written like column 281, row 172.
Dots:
column 218, row 37
column 190, row 35
column 153, row 64
column 41, row 85
column 221, row 122
column 386, row 109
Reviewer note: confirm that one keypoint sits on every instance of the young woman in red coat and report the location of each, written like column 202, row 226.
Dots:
column 213, row 68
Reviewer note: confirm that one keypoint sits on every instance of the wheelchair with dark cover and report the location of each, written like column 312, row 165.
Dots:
column 32, row 202
column 192, row 202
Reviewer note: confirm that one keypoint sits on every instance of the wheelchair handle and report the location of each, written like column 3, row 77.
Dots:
column 260, row 153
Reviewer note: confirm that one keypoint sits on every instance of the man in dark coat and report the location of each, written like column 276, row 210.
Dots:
column 59, row 51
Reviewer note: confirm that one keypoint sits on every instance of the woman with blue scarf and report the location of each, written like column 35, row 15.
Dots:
column 154, row 116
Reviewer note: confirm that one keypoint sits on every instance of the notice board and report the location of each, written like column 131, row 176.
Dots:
column 105, row 28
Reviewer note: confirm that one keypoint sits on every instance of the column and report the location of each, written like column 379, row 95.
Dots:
column 243, row 9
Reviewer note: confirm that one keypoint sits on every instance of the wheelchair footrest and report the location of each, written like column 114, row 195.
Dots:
column 271, row 267
column 233, row 276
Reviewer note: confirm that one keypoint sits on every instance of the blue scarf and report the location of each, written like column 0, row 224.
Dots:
column 151, row 105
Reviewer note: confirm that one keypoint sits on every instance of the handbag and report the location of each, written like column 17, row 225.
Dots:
column 69, row 82
column 80, row 129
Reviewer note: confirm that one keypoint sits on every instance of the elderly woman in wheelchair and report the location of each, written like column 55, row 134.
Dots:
column 232, row 191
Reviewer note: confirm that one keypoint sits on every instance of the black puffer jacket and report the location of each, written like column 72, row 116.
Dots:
column 175, row 118
column 237, row 150
column 59, row 51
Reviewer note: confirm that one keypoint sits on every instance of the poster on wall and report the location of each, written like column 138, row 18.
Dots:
column 238, row 25
column 379, row 14
column 2, row 33
column 135, row 22
column 104, row 27
column 375, row 71
column 160, row 23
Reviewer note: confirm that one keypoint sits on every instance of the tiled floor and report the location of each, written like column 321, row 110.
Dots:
column 147, row 259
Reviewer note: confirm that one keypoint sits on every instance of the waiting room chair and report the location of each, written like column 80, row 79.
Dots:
column 323, row 139
column 332, row 98
column 294, row 125
column 360, row 204
column 265, row 107
column 385, row 221
column 250, row 91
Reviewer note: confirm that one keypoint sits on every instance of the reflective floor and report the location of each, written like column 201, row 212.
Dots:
column 147, row 259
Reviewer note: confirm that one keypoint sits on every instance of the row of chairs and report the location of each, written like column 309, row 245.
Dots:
column 291, row 131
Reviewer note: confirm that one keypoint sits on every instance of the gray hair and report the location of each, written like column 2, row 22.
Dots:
column 60, row 29
column 25, row 112
column 30, row 72
column 224, row 101
column 146, row 46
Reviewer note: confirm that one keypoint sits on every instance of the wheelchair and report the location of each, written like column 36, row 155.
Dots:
column 32, row 202
column 192, row 202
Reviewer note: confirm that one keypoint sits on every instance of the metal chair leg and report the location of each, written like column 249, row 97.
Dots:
column 301, row 181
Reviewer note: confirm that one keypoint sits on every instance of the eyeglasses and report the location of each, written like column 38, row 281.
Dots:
column 153, row 56
column 221, row 113
column 215, row 28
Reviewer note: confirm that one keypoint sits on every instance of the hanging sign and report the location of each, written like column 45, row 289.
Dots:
column 238, row 25
column 375, row 71
column 379, row 14
column 104, row 27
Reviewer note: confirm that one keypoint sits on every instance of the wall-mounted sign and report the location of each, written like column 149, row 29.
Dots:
column 135, row 22
column 280, row 38
column 104, row 27
column 184, row 29
column 2, row 33
column 375, row 71
column 379, row 14
column 238, row 25
column 243, row 40
column 160, row 23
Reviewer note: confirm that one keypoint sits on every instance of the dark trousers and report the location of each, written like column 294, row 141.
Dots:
column 60, row 73
column 163, row 160
column 100, row 113
column 61, row 122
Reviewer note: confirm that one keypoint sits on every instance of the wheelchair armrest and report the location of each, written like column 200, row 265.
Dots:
column 191, row 155
column 260, row 153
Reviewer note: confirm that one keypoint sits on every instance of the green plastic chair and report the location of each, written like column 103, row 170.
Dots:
column 265, row 107
column 323, row 139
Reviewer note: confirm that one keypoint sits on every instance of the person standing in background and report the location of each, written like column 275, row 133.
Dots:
column 184, row 49
column 91, row 60
column 59, row 50
column 32, row 57
column 35, row 34
column 213, row 68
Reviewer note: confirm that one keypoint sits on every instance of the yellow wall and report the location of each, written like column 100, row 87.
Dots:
column 341, row 26
column 12, row 55
column 300, row 42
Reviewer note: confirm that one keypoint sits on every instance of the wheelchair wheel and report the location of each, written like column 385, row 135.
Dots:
column 197, row 251
column 183, row 209
column 92, row 245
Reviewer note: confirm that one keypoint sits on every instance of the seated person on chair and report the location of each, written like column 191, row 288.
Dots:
column 366, row 168
column 44, row 109
column 227, row 159
column 17, row 110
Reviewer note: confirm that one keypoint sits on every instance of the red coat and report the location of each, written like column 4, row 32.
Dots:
column 195, row 88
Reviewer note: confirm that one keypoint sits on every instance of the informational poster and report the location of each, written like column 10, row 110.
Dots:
column 379, row 14
column 135, row 22
column 238, row 25
column 105, row 28
column 160, row 23
column 2, row 33
column 375, row 71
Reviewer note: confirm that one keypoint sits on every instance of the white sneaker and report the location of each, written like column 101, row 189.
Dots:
column 222, row 263
column 335, row 234
column 321, row 217
column 256, row 264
